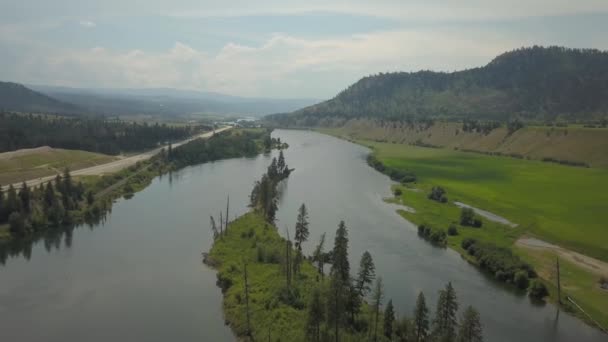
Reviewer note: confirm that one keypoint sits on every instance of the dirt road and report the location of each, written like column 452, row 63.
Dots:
column 596, row 266
column 116, row 165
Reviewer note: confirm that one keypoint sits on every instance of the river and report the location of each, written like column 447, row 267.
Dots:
column 139, row 276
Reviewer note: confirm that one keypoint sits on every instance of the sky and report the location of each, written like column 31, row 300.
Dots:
column 275, row 48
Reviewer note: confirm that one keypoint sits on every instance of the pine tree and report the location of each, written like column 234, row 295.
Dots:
column 389, row 319
column 281, row 165
column 301, row 227
column 49, row 195
column 25, row 197
column 319, row 255
column 316, row 316
column 335, row 303
column 421, row 319
column 366, row 275
column 445, row 324
column 378, row 295
column 2, row 204
column 470, row 326
column 12, row 203
column 67, row 183
column 340, row 265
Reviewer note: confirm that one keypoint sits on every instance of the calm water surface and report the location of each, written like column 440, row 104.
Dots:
column 139, row 276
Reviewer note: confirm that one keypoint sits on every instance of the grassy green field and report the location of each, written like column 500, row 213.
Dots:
column 44, row 162
column 250, row 239
column 561, row 204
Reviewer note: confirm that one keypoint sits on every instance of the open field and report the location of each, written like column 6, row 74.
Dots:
column 561, row 204
column 114, row 165
column 44, row 161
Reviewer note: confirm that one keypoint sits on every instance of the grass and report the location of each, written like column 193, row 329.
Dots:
column 253, row 241
column 40, row 163
column 266, row 281
column 561, row 204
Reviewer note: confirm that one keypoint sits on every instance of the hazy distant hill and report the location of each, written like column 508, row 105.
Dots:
column 531, row 83
column 16, row 97
column 169, row 102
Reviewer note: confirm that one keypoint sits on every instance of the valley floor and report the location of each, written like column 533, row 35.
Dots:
column 562, row 205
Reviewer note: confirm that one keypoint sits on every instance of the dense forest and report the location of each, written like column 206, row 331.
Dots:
column 534, row 83
column 95, row 135
column 273, row 291
column 16, row 97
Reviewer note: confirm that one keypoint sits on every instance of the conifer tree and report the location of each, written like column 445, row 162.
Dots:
column 470, row 326
column 316, row 316
column 366, row 275
column 301, row 227
column 445, row 324
column 389, row 320
column 421, row 319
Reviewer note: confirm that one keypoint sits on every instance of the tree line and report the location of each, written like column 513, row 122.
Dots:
column 89, row 134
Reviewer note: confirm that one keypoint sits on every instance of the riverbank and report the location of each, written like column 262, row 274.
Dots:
column 515, row 189
column 96, row 193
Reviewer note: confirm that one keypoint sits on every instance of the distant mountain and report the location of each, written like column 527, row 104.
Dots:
column 530, row 83
column 169, row 102
column 16, row 97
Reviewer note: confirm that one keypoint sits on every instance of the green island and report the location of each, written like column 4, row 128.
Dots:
column 558, row 204
column 272, row 292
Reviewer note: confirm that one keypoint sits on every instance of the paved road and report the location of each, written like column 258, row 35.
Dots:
column 116, row 165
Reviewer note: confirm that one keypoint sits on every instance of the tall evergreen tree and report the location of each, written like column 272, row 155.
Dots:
column 25, row 197
column 470, row 326
column 281, row 165
column 68, row 187
column 366, row 275
column 301, row 227
column 340, row 264
column 49, row 195
column 421, row 319
column 389, row 320
column 335, row 303
column 319, row 255
column 2, row 209
column 378, row 295
column 12, row 203
column 445, row 323
column 316, row 316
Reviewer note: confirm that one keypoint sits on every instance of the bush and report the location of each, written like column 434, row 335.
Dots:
column 439, row 238
column 438, row 194
column 397, row 192
column 452, row 230
column 468, row 218
column 538, row 290
column 604, row 282
column 521, row 279
column 223, row 282
column 466, row 243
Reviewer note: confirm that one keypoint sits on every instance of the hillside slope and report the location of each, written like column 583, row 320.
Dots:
column 574, row 144
column 16, row 97
column 530, row 83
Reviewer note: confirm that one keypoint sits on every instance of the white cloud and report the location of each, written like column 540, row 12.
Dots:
column 87, row 24
column 270, row 68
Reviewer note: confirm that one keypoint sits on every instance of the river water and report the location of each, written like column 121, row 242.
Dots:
column 139, row 276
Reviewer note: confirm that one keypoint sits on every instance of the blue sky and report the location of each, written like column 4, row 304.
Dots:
column 281, row 49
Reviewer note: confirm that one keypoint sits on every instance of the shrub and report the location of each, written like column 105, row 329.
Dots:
column 397, row 192
column 223, row 282
column 538, row 290
column 439, row 238
column 438, row 194
column 452, row 230
column 466, row 243
column 468, row 218
column 604, row 282
column 521, row 279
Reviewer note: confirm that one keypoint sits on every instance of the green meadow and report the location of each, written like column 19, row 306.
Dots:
column 562, row 204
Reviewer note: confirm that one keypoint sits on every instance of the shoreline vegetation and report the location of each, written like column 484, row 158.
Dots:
column 52, row 210
column 273, row 292
column 491, row 246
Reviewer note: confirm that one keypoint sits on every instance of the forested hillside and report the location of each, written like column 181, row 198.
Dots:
column 541, row 84
column 16, row 97
column 95, row 135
